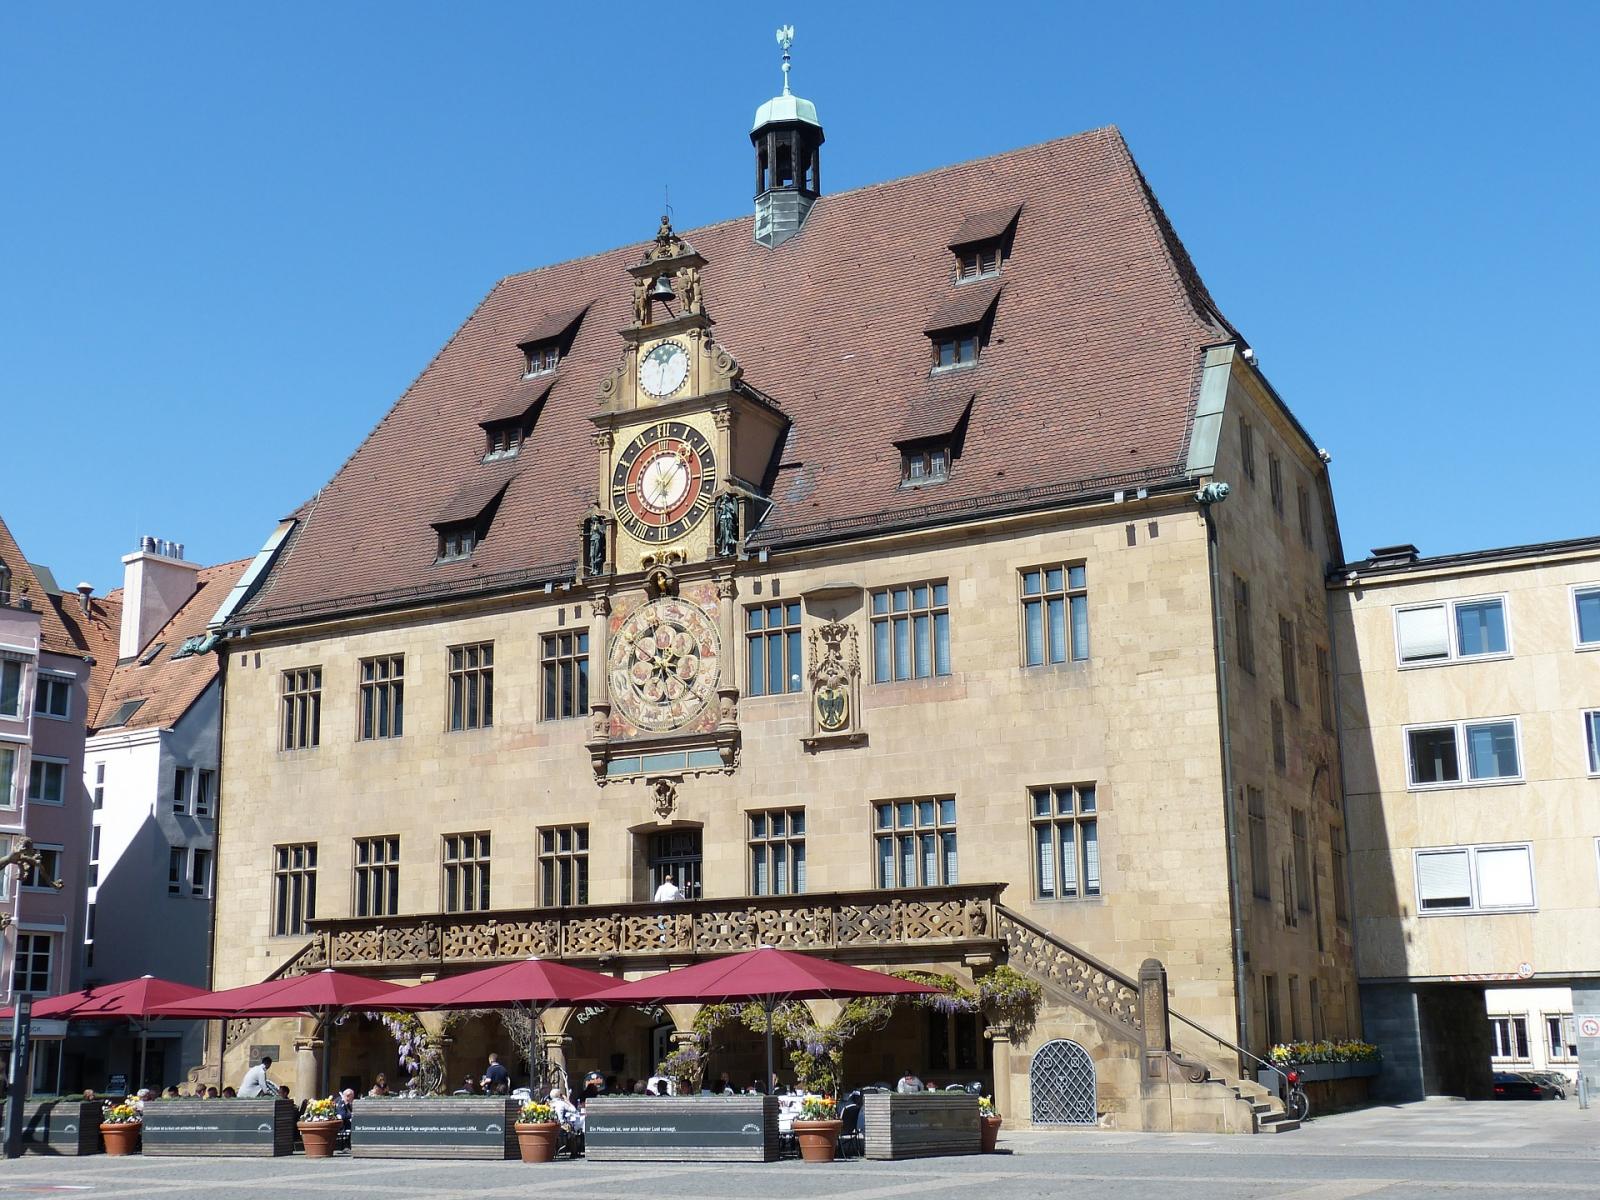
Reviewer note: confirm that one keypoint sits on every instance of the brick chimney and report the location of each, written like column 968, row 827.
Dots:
column 156, row 582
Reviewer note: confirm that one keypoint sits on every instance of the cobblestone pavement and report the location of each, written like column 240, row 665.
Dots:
column 1432, row 1149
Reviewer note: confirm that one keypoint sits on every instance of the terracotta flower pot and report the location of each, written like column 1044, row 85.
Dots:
column 318, row 1137
column 121, row 1138
column 989, row 1129
column 537, row 1141
column 819, row 1140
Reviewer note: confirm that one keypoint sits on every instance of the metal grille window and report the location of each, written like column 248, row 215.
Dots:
column 1341, row 895
column 1325, row 688
column 30, row 969
column 52, row 696
column 466, row 872
column 1286, row 654
column 778, row 852
column 1243, row 634
column 1302, row 860
column 772, row 648
column 294, row 888
column 565, row 660
column 1055, row 615
column 1066, row 842
column 564, row 865
column 383, row 697
column 472, row 686
column 1260, row 867
column 302, row 708
column 910, row 632
column 916, row 843
column 377, row 876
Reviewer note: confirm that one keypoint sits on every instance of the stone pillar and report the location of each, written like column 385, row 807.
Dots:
column 307, row 1067
column 727, row 627
column 1000, row 1036
column 555, row 1048
column 599, row 684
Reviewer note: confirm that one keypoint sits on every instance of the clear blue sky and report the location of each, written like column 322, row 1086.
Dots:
column 232, row 234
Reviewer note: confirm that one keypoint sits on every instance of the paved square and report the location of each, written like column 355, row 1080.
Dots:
column 1418, row 1150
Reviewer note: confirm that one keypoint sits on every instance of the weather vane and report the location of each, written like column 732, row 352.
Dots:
column 786, row 39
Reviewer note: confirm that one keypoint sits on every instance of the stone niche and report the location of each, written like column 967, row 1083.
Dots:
column 834, row 640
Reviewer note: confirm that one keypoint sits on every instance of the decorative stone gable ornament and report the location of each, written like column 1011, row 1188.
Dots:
column 664, row 798
column 834, row 669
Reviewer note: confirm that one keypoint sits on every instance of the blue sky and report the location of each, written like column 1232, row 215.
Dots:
column 233, row 234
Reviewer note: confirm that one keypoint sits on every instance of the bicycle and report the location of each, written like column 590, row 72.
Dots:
column 1295, row 1101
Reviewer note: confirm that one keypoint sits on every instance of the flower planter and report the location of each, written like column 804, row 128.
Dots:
column 537, row 1141
column 819, row 1140
column 318, row 1137
column 989, row 1127
column 121, row 1138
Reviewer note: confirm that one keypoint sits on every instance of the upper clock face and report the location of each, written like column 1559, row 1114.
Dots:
column 662, row 484
column 664, row 369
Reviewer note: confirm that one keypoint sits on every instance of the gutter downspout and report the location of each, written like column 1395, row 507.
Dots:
column 221, row 650
column 1215, row 493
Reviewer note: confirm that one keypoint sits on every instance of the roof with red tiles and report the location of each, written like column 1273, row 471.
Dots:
column 168, row 685
column 1087, row 381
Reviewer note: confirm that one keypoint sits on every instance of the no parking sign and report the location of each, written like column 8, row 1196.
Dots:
column 1588, row 1026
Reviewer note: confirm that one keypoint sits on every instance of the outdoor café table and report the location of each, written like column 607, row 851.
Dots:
column 61, row 1127
column 921, row 1124
column 681, row 1128
column 226, row 1128
column 434, row 1127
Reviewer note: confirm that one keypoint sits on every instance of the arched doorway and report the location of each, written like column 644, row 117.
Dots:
column 1061, row 1085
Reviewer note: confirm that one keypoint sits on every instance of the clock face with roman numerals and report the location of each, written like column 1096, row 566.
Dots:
column 663, row 481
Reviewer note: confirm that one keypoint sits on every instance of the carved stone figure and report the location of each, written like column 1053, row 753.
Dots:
column 689, row 291
column 728, row 708
column 834, row 667
column 727, row 524
column 641, row 301
column 594, row 543
column 664, row 795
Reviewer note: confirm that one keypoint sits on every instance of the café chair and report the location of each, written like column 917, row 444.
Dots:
column 853, row 1127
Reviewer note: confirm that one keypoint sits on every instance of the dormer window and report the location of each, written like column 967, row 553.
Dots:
column 981, row 261
column 457, row 542
column 983, row 242
column 540, row 358
column 505, row 439
column 956, row 350
column 932, row 433
column 465, row 521
column 924, row 464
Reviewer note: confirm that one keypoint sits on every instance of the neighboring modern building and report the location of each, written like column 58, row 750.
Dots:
column 896, row 613
column 151, row 772
column 1533, row 1029
column 56, row 653
column 1470, row 691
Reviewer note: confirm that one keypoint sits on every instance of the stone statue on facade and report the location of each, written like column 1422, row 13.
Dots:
column 641, row 301
column 594, row 543
column 727, row 524
column 689, row 291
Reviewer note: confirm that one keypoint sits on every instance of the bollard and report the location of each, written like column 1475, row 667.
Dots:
column 1583, row 1090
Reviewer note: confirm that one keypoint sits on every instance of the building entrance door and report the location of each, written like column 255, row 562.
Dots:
column 676, row 852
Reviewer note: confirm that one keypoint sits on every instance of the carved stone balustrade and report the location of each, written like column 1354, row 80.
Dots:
column 903, row 925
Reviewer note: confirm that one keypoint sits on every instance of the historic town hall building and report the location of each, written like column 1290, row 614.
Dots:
column 869, row 566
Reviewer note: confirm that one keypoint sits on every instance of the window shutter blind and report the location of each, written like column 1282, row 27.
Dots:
column 1505, row 878
column 1424, row 633
column 1442, row 879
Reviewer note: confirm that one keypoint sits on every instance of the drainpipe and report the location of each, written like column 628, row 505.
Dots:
column 221, row 650
column 1216, row 493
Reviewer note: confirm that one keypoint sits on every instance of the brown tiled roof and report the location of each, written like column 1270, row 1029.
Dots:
column 970, row 305
column 53, row 634
column 985, row 226
column 519, row 398
column 168, row 686
column 554, row 325
column 475, row 495
column 1090, row 374
column 938, row 411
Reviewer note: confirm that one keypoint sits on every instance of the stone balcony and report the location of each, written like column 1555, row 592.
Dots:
column 943, row 924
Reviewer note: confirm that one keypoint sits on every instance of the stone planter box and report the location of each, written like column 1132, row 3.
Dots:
column 921, row 1125
column 464, row 1127
column 681, row 1129
column 1318, row 1072
column 61, row 1127
column 219, row 1128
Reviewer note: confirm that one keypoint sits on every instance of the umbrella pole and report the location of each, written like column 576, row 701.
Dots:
column 327, row 1050
column 767, row 1003
column 144, row 1046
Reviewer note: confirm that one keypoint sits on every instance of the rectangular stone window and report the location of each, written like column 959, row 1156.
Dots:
column 1260, row 867
column 11, row 671
column 1247, row 450
column 377, row 877
column 302, row 708
column 564, row 659
column 1286, row 655
column 383, row 697
column 1509, row 1035
column 466, row 872
column 1302, row 860
column 294, row 888
column 1304, row 499
column 1475, row 879
column 1280, row 739
column 1341, row 893
column 1066, row 842
column 772, row 648
column 52, row 696
column 30, row 968
column 1435, row 753
column 472, row 686
column 916, row 842
column 1275, row 482
column 1325, row 687
column 1055, row 614
column 911, row 631
column 777, row 840
column 1561, row 1037
column 47, row 781
column 1243, row 633
column 564, row 865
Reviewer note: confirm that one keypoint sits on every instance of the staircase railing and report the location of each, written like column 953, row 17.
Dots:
column 1235, row 1047
column 1099, row 989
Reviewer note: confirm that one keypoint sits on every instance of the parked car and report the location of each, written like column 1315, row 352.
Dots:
column 1554, row 1080
column 1508, row 1086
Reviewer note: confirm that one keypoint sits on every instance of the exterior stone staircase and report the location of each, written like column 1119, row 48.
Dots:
column 1135, row 1012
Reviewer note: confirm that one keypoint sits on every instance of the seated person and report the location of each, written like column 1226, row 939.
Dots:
column 909, row 1083
column 469, row 1087
column 594, row 1084
column 566, row 1112
column 380, row 1086
column 229, row 1094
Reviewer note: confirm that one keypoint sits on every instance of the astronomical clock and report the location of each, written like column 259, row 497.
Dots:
column 686, row 450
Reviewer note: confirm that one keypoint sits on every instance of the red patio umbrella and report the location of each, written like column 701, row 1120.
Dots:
column 768, row 977
column 320, row 994
column 533, row 984
column 135, row 998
